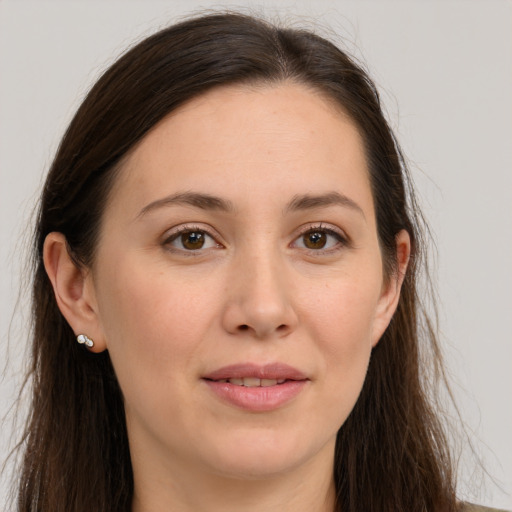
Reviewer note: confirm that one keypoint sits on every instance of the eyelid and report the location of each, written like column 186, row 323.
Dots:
column 330, row 229
column 173, row 233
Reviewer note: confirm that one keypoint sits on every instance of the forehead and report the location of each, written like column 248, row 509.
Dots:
column 249, row 142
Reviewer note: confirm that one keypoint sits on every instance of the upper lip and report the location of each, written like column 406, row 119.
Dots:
column 267, row 371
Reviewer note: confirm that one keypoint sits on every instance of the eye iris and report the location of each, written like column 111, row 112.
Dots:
column 315, row 240
column 192, row 240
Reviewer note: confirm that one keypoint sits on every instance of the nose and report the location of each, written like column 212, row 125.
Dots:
column 259, row 299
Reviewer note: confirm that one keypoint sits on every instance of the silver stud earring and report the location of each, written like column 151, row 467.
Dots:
column 85, row 340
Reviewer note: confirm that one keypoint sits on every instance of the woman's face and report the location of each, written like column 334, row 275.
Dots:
column 238, row 282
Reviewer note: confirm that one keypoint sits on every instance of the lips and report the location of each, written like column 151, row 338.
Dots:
column 256, row 388
column 273, row 371
column 253, row 382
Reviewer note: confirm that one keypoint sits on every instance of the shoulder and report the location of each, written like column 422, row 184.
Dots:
column 469, row 507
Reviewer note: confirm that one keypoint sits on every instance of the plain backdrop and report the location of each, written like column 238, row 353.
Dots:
column 444, row 69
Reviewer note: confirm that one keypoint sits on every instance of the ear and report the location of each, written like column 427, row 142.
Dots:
column 74, row 290
column 390, row 295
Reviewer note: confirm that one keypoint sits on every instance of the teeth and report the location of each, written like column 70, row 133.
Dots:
column 253, row 382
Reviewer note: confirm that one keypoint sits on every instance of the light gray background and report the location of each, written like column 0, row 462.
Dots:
column 445, row 72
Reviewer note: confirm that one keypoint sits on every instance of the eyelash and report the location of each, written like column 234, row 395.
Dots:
column 175, row 235
column 341, row 239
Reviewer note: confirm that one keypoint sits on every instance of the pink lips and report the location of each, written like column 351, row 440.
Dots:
column 270, row 396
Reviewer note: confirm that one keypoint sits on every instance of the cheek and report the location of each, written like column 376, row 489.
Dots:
column 153, row 324
column 343, row 329
column 344, row 314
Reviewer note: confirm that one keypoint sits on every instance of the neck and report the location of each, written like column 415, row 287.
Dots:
column 307, row 488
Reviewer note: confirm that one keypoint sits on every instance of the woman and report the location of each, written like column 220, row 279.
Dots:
column 225, row 305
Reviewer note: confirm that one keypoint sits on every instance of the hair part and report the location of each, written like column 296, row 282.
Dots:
column 391, row 453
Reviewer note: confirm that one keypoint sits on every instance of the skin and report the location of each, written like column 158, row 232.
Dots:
column 255, row 292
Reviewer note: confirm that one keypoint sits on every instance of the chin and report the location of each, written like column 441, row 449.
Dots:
column 263, row 469
column 258, row 457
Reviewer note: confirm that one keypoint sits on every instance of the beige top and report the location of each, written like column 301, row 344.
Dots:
column 468, row 507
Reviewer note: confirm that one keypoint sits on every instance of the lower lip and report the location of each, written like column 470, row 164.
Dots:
column 260, row 398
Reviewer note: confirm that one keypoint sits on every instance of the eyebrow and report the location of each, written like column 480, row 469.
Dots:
column 209, row 202
column 308, row 201
column 198, row 200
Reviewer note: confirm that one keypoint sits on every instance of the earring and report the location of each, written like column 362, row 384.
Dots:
column 85, row 340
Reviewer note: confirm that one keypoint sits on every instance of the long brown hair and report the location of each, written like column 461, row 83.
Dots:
column 391, row 453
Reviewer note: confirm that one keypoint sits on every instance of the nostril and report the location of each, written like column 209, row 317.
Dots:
column 282, row 327
column 243, row 327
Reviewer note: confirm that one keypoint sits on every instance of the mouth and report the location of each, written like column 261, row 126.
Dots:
column 256, row 388
column 252, row 382
column 254, row 375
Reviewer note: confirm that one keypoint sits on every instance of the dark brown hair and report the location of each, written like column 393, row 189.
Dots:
column 391, row 454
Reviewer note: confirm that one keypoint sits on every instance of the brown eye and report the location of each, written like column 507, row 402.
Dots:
column 192, row 240
column 315, row 239
column 189, row 240
column 320, row 238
